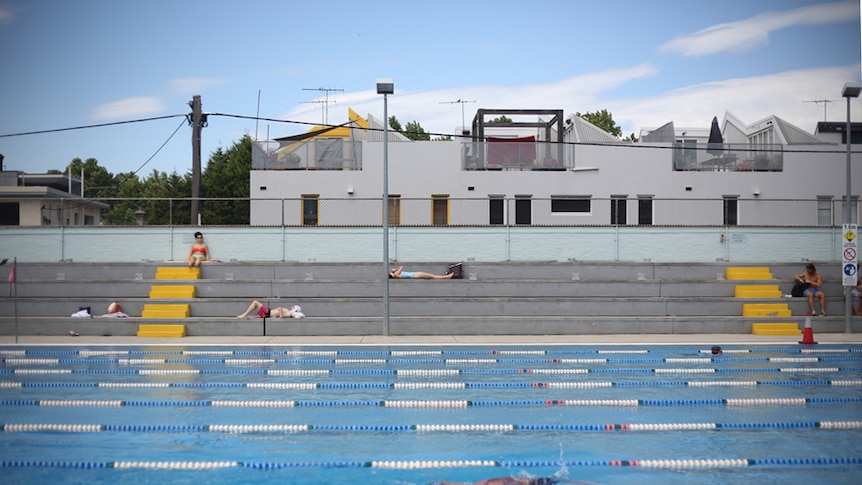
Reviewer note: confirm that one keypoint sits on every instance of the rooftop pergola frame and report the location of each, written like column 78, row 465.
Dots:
column 480, row 122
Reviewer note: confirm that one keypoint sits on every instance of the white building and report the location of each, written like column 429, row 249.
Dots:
column 544, row 170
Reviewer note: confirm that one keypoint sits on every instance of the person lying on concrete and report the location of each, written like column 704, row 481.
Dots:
column 399, row 273
column 114, row 311
column 258, row 309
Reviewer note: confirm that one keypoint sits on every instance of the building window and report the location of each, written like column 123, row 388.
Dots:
column 394, row 209
column 496, row 211
column 824, row 210
column 9, row 214
column 523, row 210
column 731, row 215
column 310, row 216
column 571, row 203
column 440, row 210
column 645, row 210
column 618, row 210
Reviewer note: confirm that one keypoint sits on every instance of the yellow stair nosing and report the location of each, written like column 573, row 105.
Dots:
column 775, row 329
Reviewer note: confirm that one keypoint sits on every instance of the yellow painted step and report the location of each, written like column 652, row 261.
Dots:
column 765, row 310
column 757, row 291
column 753, row 273
column 161, row 330
column 775, row 329
column 170, row 291
column 178, row 273
column 162, row 310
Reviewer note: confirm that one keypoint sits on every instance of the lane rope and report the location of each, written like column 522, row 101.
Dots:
column 435, row 403
column 427, row 464
column 422, row 428
column 427, row 385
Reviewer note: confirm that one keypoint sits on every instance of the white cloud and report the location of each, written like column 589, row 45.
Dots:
column 6, row 14
column 194, row 85
column 750, row 99
column 753, row 32
column 128, row 108
column 433, row 110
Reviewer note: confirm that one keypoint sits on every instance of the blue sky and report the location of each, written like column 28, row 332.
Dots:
column 76, row 63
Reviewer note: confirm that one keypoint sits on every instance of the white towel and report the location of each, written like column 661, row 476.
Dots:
column 81, row 314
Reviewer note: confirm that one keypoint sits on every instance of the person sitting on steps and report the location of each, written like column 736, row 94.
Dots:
column 815, row 284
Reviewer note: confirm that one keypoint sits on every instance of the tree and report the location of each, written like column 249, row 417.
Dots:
column 98, row 181
column 604, row 120
column 502, row 119
column 227, row 176
column 415, row 132
column 394, row 124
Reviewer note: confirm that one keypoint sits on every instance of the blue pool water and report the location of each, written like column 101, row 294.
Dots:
column 420, row 414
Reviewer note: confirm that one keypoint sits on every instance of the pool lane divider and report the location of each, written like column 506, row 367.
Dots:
column 13, row 361
column 425, row 385
column 422, row 428
column 434, row 403
column 418, row 353
column 428, row 464
column 429, row 372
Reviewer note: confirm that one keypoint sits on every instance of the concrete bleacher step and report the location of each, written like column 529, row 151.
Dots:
column 165, row 331
column 177, row 273
column 757, row 291
column 164, row 310
column 765, row 310
column 172, row 291
column 775, row 329
column 748, row 273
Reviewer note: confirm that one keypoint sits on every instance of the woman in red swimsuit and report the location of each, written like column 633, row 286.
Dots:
column 200, row 251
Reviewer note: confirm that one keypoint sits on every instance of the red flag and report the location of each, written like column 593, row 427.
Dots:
column 11, row 281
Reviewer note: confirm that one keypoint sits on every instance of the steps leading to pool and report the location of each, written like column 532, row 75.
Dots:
column 345, row 298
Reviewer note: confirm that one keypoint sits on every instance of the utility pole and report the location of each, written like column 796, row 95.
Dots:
column 197, row 124
column 325, row 102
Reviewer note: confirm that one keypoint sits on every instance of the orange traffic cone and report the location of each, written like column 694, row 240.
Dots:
column 808, row 333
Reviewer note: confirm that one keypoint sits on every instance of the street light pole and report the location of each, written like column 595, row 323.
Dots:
column 851, row 90
column 385, row 87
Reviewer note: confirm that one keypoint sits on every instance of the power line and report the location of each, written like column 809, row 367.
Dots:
column 83, row 127
column 160, row 148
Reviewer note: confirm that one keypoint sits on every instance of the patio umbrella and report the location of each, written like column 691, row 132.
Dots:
column 715, row 144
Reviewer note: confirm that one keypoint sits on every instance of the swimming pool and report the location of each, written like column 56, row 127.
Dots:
column 419, row 414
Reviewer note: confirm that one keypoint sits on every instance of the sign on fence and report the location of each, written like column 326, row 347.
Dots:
column 848, row 254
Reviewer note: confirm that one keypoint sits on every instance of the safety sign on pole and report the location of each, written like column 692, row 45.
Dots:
column 848, row 254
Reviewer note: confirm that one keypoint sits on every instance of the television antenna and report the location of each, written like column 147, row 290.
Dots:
column 462, row 102
column 324, row 101
column 825, row 103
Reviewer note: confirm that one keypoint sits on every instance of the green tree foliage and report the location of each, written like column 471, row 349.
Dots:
column 604, row 120
column 167, row 198
column 442, row 138
column 502, row 119
column 122, row 211
column 227, row 176
column 395, row 124
column 415, row 132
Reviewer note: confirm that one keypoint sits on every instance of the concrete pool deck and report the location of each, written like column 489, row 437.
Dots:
column 622, row 339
